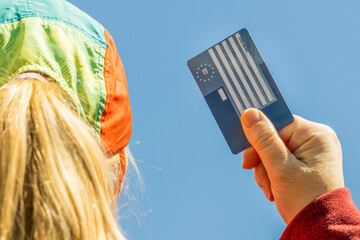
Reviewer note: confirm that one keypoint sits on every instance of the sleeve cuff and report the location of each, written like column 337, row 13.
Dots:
column 331, row 216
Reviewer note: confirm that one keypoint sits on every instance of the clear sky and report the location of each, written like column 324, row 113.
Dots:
column 195, row 188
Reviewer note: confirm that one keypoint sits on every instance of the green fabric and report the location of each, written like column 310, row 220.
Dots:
column 52, row 10
column 69, row 56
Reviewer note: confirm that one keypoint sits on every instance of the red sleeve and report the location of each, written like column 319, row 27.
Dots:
column 331, row 216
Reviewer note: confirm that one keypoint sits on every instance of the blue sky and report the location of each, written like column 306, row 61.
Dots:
column 195, row 188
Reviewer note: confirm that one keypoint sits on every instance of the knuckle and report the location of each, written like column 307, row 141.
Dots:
column 321, row 140
column 265, row 139
column 328, row 130
column 326, row 135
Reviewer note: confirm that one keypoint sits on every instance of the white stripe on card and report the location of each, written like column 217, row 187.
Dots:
column 256, row 70
column 241, row 75
column 222, row 94
column 226, row 81
column 247, row 71
column 232, row 77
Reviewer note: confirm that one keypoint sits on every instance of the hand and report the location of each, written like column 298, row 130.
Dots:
column 295, row 165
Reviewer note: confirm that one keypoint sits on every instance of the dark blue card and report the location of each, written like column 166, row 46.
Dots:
column 232, row 76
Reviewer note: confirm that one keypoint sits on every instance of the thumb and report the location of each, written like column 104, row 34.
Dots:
column 264, row 138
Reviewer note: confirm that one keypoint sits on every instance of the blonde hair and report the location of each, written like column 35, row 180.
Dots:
column 54, row 179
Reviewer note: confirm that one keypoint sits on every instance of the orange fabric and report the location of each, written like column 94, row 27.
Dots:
column 116, row 124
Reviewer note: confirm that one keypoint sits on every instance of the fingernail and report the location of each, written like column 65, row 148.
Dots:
column 251, row 117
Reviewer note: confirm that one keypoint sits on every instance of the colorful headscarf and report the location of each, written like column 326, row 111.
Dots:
column 56, row 38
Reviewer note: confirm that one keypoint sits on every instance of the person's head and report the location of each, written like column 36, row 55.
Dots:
column 62, row 140
column 54, row 178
